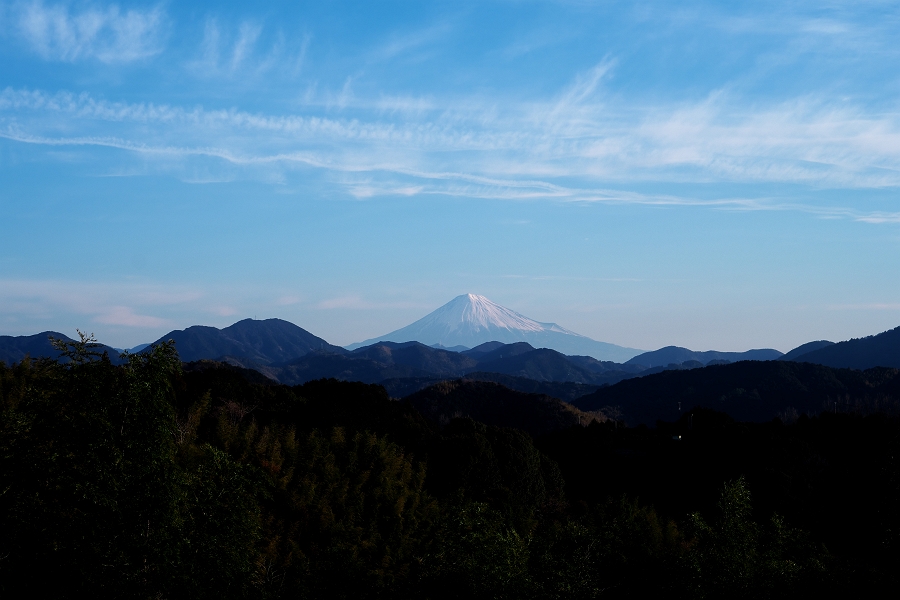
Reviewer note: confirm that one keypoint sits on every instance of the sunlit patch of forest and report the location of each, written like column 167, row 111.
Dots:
column 153, row 480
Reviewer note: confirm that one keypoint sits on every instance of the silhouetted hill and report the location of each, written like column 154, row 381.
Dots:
column 323, row 365
column 565, row 391
column 882, row 350
column 540, row 365
column 678, row 355
column 494, row 404
column 373, row 364
column 404, row 386
column 804, row 348
column 485, row 347
column 450, row 348
column 748, row 391
column 604, row 367
column 266, row 342
column 495, row 350
column 14, row 348
column 251, row 376
column 419, row 365
column 419, row 356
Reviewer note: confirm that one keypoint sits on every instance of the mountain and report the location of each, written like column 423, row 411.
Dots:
column 485, row 347
column 419, row 356
column 494, row 404
column 678, row 355
column 496, row 350
column 470, row 320
column 422, row 365
column 324, row 365
column 375, row 363
column 540, row 365
column 748, row 391
column 265, row 342
column 882, row 350
column 805, row 348
column 451, row 349
column 14, row 348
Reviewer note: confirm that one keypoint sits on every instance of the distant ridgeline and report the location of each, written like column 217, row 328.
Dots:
column 756, row 385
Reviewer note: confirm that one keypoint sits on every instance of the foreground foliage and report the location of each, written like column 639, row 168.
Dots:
column 147, row 480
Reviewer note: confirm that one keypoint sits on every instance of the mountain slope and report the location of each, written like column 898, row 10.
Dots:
column 323, row 365
column 749, row 391
column 678, row 355
column 419, row 356
column 494, row 404
column 266, row 342
column 805, row 348
column 882, row 350
column 470, row 320
column 404, row 386
column 539, row 365
column 14, row 348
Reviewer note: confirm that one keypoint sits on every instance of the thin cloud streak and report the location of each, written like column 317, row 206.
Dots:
column 108, row 34
column 490, row 189
column 571, row 147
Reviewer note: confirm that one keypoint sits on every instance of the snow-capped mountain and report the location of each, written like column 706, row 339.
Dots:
column 470, row 320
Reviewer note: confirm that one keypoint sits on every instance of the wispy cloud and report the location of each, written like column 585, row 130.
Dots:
column 405, row 44
column 580, row 144
column 135, row 305
column 108, row 34
column 242, row 49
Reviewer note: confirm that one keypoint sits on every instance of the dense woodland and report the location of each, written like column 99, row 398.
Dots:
column 161, row 480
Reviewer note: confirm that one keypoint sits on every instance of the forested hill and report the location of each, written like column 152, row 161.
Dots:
column 265, row 342
column 14, row 348
column 494, row 404
column 882, row 350
column 748, row 391
column 678, row 355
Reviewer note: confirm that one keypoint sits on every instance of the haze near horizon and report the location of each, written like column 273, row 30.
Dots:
column 699, row 175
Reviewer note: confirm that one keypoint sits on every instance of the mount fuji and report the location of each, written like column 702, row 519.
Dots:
column 470, row 320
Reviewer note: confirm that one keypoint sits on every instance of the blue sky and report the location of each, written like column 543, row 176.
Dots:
column 711, row 175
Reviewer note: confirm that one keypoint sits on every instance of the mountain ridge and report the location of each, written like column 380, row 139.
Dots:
column 14, row 349
column 677, row 355
column 265, row 341
column 879, row 350
column 470, row 320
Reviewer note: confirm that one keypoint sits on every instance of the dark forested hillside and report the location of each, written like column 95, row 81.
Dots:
column 494, row 404
column 319, row 365
column 678, row 355
column 540, row 365
column 882, row 350
column 748, row 391
column 15, row 348
column 410, row 366
column 804, row 348
column 156, row 479
column 418, row 356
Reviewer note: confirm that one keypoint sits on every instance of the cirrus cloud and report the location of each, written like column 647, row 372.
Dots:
column 108, row 34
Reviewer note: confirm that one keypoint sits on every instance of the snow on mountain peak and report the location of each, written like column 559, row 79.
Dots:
column 477, row 313
column 470, row 319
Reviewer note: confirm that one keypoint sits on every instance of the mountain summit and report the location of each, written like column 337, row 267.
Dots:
column 470, row 320
column 265, row 341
